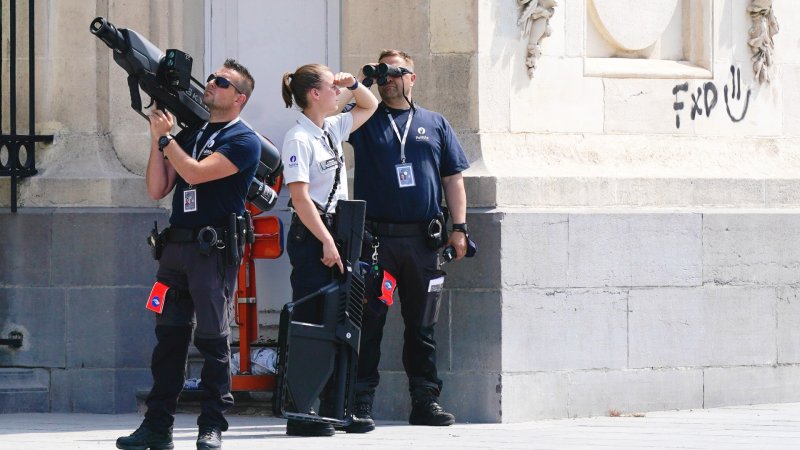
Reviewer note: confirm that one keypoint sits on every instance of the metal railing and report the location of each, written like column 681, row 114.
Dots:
column 13, row 145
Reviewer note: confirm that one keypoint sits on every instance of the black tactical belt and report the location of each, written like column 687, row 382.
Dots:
column 396, row 229
column 182, row 235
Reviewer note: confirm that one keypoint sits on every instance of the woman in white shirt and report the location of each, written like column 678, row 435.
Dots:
column 314, row 170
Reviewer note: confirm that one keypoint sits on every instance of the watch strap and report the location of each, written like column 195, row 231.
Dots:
column 164, row 141
column 462, row 227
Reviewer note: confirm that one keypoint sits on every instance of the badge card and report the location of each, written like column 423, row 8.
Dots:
column 405, row 175
column 190, row 200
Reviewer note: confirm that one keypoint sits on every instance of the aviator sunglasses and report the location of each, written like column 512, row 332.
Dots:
column 222, row 82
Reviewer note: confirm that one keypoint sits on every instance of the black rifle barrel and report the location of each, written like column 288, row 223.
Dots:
column 108, row 33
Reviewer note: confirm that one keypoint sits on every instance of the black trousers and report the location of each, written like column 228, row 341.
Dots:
column 168, row 367
column 414, row 266
column 201, row 293
column 308, row 272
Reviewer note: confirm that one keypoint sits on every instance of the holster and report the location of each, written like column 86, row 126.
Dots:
column 234, row 245
column 157, row 241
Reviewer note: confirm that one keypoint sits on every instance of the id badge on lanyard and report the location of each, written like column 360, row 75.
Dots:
column 405, row 175
column 190, row 193
column 404, row 170
column 190, row 200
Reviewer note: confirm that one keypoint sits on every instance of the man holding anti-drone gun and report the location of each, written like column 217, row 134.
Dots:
column 211, row 166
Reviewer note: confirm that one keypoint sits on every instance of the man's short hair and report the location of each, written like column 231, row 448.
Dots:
column 392, row 52
column 249, row 82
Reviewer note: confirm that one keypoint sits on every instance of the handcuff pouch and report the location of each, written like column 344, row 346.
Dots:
column 436, row 232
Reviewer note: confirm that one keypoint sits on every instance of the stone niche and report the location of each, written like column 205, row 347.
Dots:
column 670, row 39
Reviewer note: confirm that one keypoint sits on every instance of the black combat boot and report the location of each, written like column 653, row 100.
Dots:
column 303, row 428
column 426, row 411
column 209, row 438
column 362, row 419
column 144, row 438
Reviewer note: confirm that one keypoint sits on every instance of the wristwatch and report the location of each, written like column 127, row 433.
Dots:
column 164, row 141
column 462, row 227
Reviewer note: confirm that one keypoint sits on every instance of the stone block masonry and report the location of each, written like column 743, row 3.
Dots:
column 74, row 283
column 592, row 311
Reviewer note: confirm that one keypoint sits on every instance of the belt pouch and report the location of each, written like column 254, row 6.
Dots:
column 232, row 241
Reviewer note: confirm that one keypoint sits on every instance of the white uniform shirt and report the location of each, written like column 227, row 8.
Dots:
column 307, row 157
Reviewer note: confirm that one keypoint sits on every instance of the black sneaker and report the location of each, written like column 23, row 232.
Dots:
column 144, row 438
column 209, row 438
column 302, row 428
column 362, row 420
column 428, row 412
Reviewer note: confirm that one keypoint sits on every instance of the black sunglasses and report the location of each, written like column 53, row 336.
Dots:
column 222, row 82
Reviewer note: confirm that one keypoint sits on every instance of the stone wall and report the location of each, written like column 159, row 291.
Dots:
column 75, row 270
column 75, row 281
column 100, row 145
column 588, row 130
column 635, row 252
column 575, row 313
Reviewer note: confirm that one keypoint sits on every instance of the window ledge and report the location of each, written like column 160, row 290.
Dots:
column 643, row 68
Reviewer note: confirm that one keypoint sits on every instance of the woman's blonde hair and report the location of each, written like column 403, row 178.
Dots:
column 296, row 85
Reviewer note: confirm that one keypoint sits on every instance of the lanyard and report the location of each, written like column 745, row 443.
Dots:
column 405, row 133
column 332, row 148
column 328, row 142
column 210, row 140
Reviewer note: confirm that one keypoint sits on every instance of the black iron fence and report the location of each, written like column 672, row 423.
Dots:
column 17, row 151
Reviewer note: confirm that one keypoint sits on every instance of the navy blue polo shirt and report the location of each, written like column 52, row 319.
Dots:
column 432, row 149
column 217, row 199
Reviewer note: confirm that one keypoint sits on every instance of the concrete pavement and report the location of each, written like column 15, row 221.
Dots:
column 774, row 426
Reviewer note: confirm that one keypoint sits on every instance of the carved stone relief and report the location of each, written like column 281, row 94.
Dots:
column 535, row 19
column 765, row 26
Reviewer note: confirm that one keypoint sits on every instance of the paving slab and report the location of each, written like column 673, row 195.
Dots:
column 775, row 426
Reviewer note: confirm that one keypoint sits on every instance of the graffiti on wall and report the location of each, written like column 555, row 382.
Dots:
column 705, row 98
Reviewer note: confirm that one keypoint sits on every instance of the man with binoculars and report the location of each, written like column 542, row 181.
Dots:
column 406, row 159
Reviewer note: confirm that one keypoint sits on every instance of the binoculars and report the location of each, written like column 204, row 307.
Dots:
column 379, row 73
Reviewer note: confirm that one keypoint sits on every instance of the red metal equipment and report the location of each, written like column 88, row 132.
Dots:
column 268, row 244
